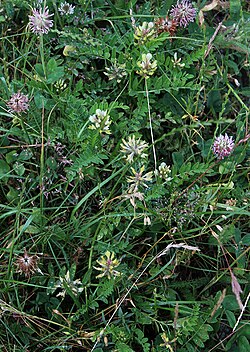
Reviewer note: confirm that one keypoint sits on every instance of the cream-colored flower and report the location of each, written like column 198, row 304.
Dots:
column 147, row 67
column 116, row 72
column 147, row 220
column 145, row 32
column 66, row 283
column 163, row 172
column 139, row 179
column 133, row 147
column 133, row 197
column 107, row 265
column 177, row 62
column 60, row 85
column 100, row 121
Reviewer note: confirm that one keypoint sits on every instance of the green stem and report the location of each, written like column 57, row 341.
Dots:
column 42, row 54
column 42, row 167
column 25, row 130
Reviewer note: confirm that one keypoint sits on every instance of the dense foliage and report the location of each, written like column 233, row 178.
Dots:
column 124, row 176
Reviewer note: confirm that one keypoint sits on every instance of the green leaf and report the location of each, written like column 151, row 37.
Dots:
column 54, row 72
column 226, row 167
column 11, row 156
column 4, row 169
column 25, row 155
column 104, row 290
column 88, row 157
column 235, row 9
column 244, row 345
column 121, row 346
column 39, row 69
column 178, row 159
column 12, row 194
column 230, row 303
column 40, row 100
column 30, row 229
column 197, row 340
column 19, row 169
column 246, row 240
column 86, row 278
column 231, row 318
column 245, row 91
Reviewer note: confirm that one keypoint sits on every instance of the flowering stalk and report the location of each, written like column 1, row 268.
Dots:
column 40, row 24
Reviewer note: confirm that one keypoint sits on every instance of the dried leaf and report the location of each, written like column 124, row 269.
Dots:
column 236, row 289
column 210, row 6
column 219, row 302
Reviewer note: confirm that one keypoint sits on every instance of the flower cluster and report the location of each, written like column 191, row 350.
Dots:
column 138, row 179
column 133, row 196
column 166, row 25
column 66, row 283
column 133, row 148
column 107, row 265
column 145, row 32
column 116, row 72
column 223, row 146
column 27, row 264
column 177, row 62
column 147, row 67
column 66, row 8
column 60, row 85
column 100, row 121
column 39, row 21
column 163, row 172
column 183, row 13
column 18, row 102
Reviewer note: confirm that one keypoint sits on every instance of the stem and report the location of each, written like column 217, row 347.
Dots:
column 237, row 97
column 42, row 54
column 150, row 124
column 42, row 165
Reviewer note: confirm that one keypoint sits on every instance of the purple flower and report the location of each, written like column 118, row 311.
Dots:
column 183, row 13
column 223, row 146
column 18, row 102
column 39, row 21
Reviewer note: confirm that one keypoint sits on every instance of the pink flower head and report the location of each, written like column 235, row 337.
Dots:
column 18, row 102
column 183, row 13
column 39, row 21
column 223, row 146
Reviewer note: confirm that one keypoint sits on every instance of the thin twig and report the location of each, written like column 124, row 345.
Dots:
column 150, row 124
column 241, row 313
column 209, row 47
